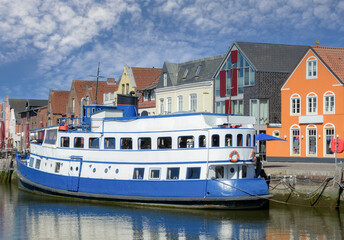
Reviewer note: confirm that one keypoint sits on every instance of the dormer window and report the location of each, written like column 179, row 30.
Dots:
column 198, row 70
column 165, row 79
column 185, row 73
column 312, row 68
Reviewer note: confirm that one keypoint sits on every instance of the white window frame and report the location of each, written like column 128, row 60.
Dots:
column 169, row 105
column 145, row 96
column 258, row 120
column 293, row 98
column 311, row 96
column 313, row 61
column 328, row 126
column 193, row 102
column 73, row 105
column 329, row 94
column 311, row 127
column 152, row 95
column 161, row 106
column 296, row 128
column 179, row 103
column 165, row 79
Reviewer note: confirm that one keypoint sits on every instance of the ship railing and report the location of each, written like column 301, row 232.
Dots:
column 74, row 124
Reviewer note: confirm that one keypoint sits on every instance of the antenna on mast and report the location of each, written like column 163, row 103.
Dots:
column 95, row 99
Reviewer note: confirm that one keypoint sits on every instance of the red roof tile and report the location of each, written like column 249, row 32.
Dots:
column 333, row 57
column 59, row 101
column 147, row 104
column 145, row 76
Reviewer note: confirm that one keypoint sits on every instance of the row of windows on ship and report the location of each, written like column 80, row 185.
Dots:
column 239, row 140
column 173, row 173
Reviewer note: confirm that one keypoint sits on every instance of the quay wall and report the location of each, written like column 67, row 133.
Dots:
column 7, row 167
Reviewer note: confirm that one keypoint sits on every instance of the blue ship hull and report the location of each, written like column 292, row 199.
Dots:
column 250, row 193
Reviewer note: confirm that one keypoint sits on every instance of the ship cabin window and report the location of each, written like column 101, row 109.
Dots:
column 215, row 140
column 244, row 171
column 228, row 140
column 64, row 141
column 79, row 142
column 38, row 163
column 239, row 140
column 126, row 143
column 57, row 167
column 138, row 173
column 110, row 143
column 50, row 136
column 93, row 142
column 193, row 173
column 201, row 141
column 154, row 174
column 164, row 142
column 31, row 162
column 145, row 143
column 186, row 142
column 248, row 140
column 219, row 172
column 172, row 173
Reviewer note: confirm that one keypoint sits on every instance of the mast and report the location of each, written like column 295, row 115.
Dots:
column 95, row 99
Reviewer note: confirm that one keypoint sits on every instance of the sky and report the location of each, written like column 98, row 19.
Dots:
column 46, row 44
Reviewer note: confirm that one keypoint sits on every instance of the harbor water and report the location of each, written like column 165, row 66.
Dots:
column 24, row 215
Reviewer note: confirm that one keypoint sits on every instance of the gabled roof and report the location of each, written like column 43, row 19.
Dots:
column 18, row 105
column 36, row 103
column 145, row 77
column 333, row 57
column 267, row 57
column 59, row 101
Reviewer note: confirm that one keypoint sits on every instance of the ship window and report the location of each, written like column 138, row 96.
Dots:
column 57, row 167
column 138, row 173
column 50, row 136
column 248, row 140
column 38, row 163
column 31, row 162
column 239, row 140
column 64, row 141
column 93, row 143
column 155, row 174
column 229, row 140
column 110, row 143
column 215, row 140
column 126, row 143
column 172, row 173
column 201, row 141
column 164, row 142
column 186, row 142
column 79, row 142
column 193, row 173
column 145, row 143
column 219, row 171
column 244, row 171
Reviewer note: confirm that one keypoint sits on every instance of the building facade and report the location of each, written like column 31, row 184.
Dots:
column 312, row 109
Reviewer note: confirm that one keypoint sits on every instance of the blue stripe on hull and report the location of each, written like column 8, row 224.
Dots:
column 147, row 188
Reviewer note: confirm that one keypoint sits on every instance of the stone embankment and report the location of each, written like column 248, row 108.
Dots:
column 7, row 166
column 306, row 184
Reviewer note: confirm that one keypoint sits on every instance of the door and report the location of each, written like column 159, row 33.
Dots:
column 74, row 173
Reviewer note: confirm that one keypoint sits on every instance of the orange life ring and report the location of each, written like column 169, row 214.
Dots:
column 253, row 156
column 234, row 156
column 340, row 145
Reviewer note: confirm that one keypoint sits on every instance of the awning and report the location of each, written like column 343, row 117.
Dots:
column 266, row 137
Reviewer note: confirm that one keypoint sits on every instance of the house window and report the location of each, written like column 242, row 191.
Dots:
column 152, row 95
column 312, row 104
column 185, row 73
column 123, row 88
column 172, row 173
column 276, row 133
column 138, row 173
column 161, row 109
column 312, row 68
column 169, row 105
column 145, row 96
column 193, row 102
column 198, row 70
column 329, row 136
column 180, row 103
column 237, row 107
column 312, row 141
column 329, row 105
column 127, row 88
column 295, row 143
column 73, row 105
column 259, row 108
column 165, row 79
column 295, row 105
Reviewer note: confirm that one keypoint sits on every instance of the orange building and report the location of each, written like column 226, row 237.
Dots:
column 312, row 109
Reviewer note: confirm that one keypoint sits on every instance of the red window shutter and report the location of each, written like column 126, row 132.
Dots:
column 227, row 106
column 234, row 56
column 234, row 74
column 223, row 83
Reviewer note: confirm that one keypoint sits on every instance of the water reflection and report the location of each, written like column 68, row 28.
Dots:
column 24, row 215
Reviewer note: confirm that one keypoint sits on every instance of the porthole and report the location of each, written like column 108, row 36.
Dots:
column 117, row 171
column 77, row 169
column 232, row 170
column 71, row 168
column 106, row 170
column 94, row 170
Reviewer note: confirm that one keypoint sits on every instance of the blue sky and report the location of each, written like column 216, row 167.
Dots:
column 49, row 43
